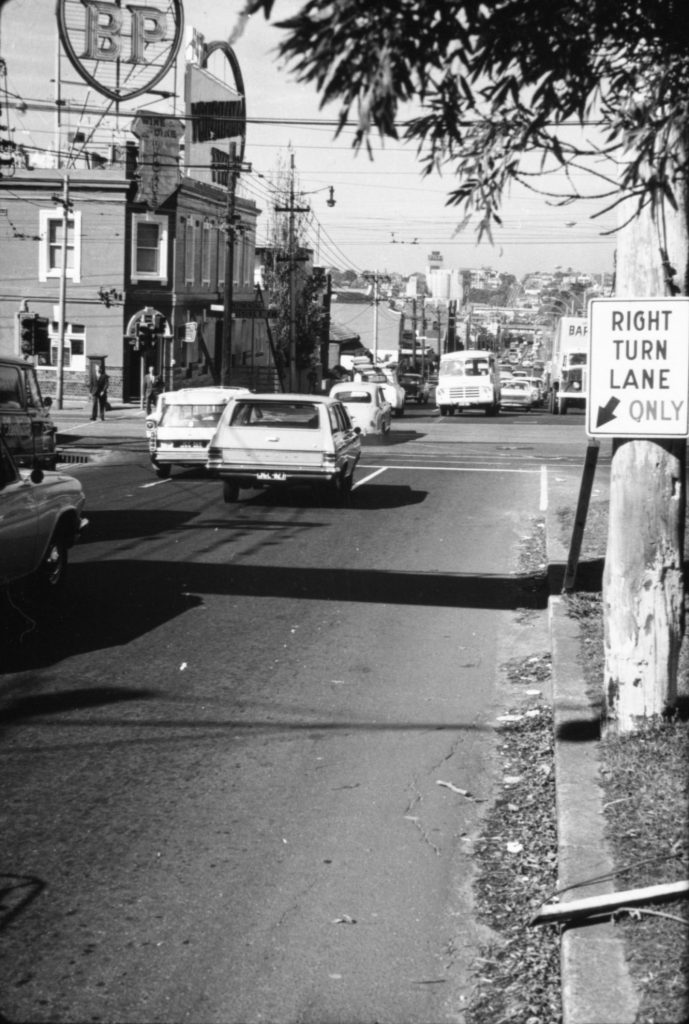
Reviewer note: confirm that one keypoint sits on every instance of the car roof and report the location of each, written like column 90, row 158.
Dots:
column 205, row 395
column 284, row 396
column 355, row 385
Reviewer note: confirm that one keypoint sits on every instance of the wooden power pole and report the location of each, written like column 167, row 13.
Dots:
column 643, row 588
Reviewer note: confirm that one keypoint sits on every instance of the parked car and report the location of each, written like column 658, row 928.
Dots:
column 516, row 393
column 41, row 517
column 368, row 408
column 267, row 439
column 25, row 420
column 182, row 424
column 415, row 387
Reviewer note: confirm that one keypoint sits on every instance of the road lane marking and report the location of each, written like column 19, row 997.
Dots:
column 155, row 483
column 457, row 469
column 370, row 477
column 544, row 489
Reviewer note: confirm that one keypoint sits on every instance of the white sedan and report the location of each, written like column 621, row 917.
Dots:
column 516, row 394
column 368, row 408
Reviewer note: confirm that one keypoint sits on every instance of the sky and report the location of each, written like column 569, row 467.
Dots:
column 387, row 216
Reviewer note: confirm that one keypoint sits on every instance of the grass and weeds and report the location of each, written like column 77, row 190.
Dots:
column 646, row 806
column 517, row 976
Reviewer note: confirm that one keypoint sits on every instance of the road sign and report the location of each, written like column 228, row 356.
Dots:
column 638, row 368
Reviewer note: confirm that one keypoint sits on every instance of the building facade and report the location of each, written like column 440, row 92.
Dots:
column 119, row 264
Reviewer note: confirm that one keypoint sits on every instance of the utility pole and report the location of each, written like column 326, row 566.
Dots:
column 375, row 278
column 293, row 259
column 231, row 230
column 66, row 203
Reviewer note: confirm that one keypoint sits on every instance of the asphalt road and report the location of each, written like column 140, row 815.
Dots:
column 220, row 795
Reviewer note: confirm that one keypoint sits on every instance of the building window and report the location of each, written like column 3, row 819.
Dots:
column 189, row 250
column 206, row 252
column 149, row 248
column 74, row 350
column 221, row 260
column 51, row 227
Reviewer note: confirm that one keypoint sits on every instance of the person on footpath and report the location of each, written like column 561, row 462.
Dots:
column 99, row 393
column 153, row 386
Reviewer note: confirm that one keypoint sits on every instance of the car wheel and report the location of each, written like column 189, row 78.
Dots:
column 50, row 576
column 163, row 472
column 230, row 491
column 341, row 489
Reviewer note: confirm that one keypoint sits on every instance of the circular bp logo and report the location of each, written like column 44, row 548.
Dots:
column 121, row 49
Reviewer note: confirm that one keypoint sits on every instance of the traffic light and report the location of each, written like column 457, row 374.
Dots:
column 27, row 334
column 41, row 347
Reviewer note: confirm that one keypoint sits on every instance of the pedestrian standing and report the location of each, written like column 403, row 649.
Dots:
column 99, row 393
column 153, row 386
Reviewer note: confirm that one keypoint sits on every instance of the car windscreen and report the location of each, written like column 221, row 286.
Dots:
column 300, row 415
column 464, row 368
column 191, row 415
column 354, row 395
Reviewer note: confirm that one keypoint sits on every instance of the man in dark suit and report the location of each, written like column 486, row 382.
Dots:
column 153, row 386
column 99, row 393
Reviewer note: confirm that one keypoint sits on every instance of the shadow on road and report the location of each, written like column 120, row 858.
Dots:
column 108, row 603
column 19, row 708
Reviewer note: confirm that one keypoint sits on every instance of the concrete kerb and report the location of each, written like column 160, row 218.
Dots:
column 596, row 984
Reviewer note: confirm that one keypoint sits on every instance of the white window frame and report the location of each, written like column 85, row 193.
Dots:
column 189, row 251
column 46, row 218
column 73, row 332
column 206, row 252
column 161, row 273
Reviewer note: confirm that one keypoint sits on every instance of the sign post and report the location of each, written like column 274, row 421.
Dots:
column 638, row 368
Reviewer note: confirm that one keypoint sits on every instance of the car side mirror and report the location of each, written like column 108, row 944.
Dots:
column 357, row 430
column 47, row 402
column 37, row 475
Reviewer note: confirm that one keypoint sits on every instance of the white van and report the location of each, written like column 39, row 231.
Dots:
column 182, row 425
column 468, row 380
column 25, row 421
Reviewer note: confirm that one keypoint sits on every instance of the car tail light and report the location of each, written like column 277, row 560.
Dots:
column 215, row 453
column 329, row 459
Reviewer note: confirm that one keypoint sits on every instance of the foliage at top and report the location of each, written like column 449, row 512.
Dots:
column 498, row 80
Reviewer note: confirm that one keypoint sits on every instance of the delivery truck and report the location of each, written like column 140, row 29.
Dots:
column 566, row 373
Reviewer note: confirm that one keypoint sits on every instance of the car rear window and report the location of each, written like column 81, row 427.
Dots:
column 191, row 415
column 301, row 415
column 354, row 395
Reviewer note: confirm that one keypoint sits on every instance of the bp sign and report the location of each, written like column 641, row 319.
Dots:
column 121, row 50
column 638, row 368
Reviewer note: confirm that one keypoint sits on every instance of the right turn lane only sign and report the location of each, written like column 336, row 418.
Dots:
column 638, row 368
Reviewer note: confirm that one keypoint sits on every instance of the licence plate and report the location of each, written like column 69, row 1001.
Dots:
column 271, row 476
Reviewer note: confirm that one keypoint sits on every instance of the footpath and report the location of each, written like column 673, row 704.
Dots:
column 596, row 985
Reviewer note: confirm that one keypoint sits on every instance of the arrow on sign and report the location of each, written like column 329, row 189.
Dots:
column 606, row 413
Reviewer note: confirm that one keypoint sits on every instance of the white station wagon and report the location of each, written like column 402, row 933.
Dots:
column 182, row 424
column 268, row 439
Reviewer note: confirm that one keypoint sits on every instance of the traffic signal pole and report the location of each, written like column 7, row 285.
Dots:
column 66, row 206
column 235, row 166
